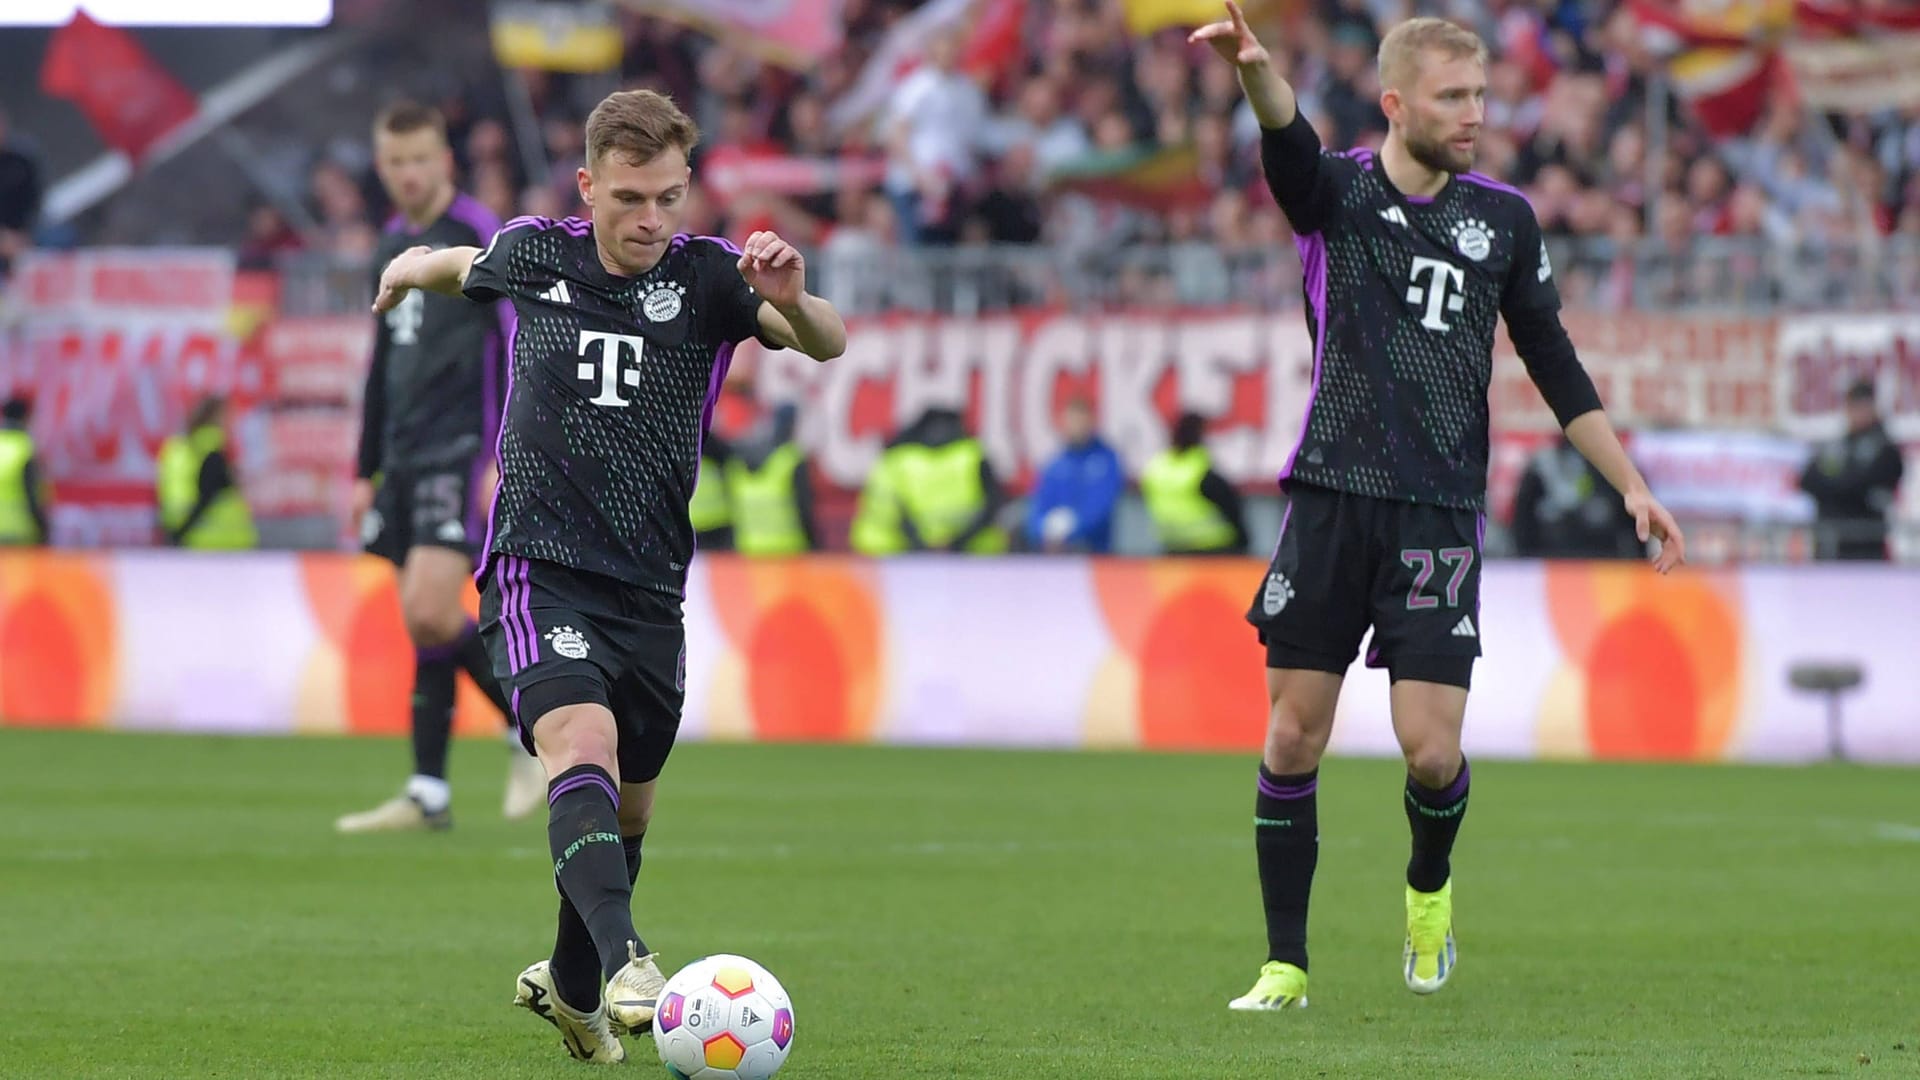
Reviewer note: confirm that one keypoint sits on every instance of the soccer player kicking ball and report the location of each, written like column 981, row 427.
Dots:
column 1409, row 260
column 625, row 330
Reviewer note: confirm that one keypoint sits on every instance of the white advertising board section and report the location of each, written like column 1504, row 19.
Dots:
column 1582, row 660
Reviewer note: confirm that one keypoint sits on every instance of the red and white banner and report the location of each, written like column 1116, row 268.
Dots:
column 728, row 171
column 114, row 347
column 1251, row 375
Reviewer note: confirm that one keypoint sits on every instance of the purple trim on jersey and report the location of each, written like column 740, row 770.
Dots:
column 515, row 613
column 511, row 318
column 1285, row 516
column 1420, row 200
column 725, row 244
column 722, row 360
column 1358, row 153
column 572, row 225
column 509, row 619
column 1490, row 182
column 526, row 612
column 474, row 214
column 1313, row 262
column 1480, row 552
column 396, row 223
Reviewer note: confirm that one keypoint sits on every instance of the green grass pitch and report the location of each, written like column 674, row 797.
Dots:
column 179, row 907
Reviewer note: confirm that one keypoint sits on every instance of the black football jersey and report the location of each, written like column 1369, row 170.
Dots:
column 610, row 392
column 1403, row 298
column 439, row 363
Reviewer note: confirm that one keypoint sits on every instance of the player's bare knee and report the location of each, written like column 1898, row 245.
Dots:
column 432, row 617
column 577, row 735
column 1293, row 744
column 1435, row 763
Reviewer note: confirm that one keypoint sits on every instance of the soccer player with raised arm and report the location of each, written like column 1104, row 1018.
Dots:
column 624, row 330
column 1410, row 259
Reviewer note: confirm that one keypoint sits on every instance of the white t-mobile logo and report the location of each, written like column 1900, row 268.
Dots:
column 1444, row 289
column 607, row 369
column 404, row 318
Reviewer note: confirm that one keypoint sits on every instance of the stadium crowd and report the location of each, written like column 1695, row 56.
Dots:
column 968, row 156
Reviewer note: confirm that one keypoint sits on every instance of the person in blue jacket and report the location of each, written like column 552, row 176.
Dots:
column 1072, row 505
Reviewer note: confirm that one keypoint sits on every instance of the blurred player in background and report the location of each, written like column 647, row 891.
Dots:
column 432, row 408
column 626, row 328
column 1410, row 259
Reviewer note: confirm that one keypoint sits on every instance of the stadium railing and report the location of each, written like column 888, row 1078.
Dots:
column 1713, row 273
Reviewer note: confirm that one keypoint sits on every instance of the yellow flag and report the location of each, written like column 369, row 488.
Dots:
column 557, row 37
column 1149, row 16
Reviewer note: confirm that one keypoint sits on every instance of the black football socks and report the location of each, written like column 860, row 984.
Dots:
column 1435, row 817
column 1286, row 841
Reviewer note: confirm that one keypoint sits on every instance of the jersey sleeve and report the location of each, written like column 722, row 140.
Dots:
column 493, row 275
column 1305, row 180
column 1530, row 288
column 729, row 305
column 1531, row 304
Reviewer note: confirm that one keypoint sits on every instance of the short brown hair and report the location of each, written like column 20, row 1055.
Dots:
column 407, row 117
column 639, row 125
column 1400, row 51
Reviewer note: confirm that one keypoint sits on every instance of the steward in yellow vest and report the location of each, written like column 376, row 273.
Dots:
column 23, row 515
column 201, row 506
column 932, row 490
column 1194, row 509
column 772, row 501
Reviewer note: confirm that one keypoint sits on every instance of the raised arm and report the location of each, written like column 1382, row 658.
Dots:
column 443, row 271
column 1271, row 96
column 1297, row 172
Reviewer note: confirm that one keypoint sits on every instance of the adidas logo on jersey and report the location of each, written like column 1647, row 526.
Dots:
column 1464, row 628
column 559, row 294
column 1394, row 215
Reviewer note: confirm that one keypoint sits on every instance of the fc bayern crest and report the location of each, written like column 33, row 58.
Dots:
column 1470, row 237
column 663, row 303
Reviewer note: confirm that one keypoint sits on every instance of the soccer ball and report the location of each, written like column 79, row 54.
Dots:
column 723, row 1018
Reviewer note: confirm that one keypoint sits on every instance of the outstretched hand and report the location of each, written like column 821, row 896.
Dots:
column 397, row 279
column 1232, row 39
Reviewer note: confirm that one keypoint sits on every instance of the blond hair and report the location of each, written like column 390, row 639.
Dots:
column 639, row 125
column 1404, row 45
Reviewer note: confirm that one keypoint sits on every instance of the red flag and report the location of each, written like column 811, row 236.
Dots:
column 996, row 38
column 129, row 98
